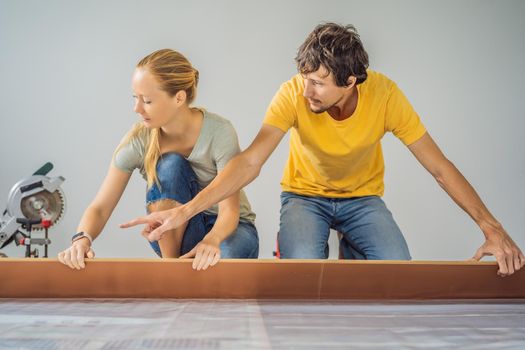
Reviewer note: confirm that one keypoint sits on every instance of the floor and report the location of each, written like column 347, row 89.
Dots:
column 254, row 324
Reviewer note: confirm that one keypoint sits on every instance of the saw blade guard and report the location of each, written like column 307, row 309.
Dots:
column 37, row 197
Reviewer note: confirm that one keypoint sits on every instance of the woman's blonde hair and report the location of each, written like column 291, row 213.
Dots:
column 174, row 73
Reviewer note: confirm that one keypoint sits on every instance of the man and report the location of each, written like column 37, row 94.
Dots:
column 338, row 111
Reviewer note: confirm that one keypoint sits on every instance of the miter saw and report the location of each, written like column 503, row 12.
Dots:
column 34, row 203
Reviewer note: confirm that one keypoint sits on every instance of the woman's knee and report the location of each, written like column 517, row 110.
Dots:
column 171, row 166
column 176, row 178
column 162, row 204
column 242, row 244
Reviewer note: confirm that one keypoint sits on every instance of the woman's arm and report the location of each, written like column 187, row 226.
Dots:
column 207, row 253
column 95, row 217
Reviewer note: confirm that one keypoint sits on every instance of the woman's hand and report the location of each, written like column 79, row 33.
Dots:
column 74, row 256
column 207, row 253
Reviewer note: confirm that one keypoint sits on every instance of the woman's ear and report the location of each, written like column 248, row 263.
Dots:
column 180, row 97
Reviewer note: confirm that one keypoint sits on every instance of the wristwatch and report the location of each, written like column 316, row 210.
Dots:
column 81, row 235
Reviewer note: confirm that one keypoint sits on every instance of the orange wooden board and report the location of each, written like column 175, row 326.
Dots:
column 258, row 279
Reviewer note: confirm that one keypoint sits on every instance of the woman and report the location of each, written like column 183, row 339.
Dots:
column 179, row 150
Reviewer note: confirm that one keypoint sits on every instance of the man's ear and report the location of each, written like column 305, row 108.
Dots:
column 350, row 82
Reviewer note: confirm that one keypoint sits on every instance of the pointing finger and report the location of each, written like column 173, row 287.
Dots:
column 135, row 222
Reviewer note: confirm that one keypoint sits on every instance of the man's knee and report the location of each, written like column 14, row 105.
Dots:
column 391, row 249
column 373, row 234
column 391, row 254
column 301, row 248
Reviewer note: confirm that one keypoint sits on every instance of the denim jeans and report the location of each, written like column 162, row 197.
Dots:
column 368, row 228
column 178, row 182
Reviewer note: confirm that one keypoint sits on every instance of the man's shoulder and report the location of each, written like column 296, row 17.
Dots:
column 293, row 85
column 378, row 81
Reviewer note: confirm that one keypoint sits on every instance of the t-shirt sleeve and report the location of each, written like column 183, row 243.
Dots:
column 401, row 118
column 128, row 157
column 281, row 112
column 225, row 145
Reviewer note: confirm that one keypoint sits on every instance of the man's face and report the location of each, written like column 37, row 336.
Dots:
column 321, row 91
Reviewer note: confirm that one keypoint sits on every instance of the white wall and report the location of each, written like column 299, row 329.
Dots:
column 65, row 96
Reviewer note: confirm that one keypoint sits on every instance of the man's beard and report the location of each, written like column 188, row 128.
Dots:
column 318, row 110
column 323, row 109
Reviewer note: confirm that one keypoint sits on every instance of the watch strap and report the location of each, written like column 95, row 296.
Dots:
column 81, row 235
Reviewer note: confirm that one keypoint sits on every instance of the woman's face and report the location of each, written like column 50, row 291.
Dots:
column 152, row 104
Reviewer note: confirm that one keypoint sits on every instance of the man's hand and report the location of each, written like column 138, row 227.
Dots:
column 74, row 256
column 498, row 243
column 158, row 222
column 207, row 253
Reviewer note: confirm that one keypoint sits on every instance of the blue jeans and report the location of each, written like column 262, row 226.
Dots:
column 178, row 182
column 368, row 228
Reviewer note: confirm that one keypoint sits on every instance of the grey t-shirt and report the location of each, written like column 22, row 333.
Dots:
column 215, row 146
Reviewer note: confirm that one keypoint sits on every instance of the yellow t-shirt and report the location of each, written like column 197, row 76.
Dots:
column 341, row 159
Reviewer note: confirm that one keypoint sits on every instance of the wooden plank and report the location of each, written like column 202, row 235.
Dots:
column 155, row 278
column 418, row 280
column 257, row 279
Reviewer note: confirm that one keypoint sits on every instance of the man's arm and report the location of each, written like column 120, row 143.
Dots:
column 240, row 171
column 497, row 241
